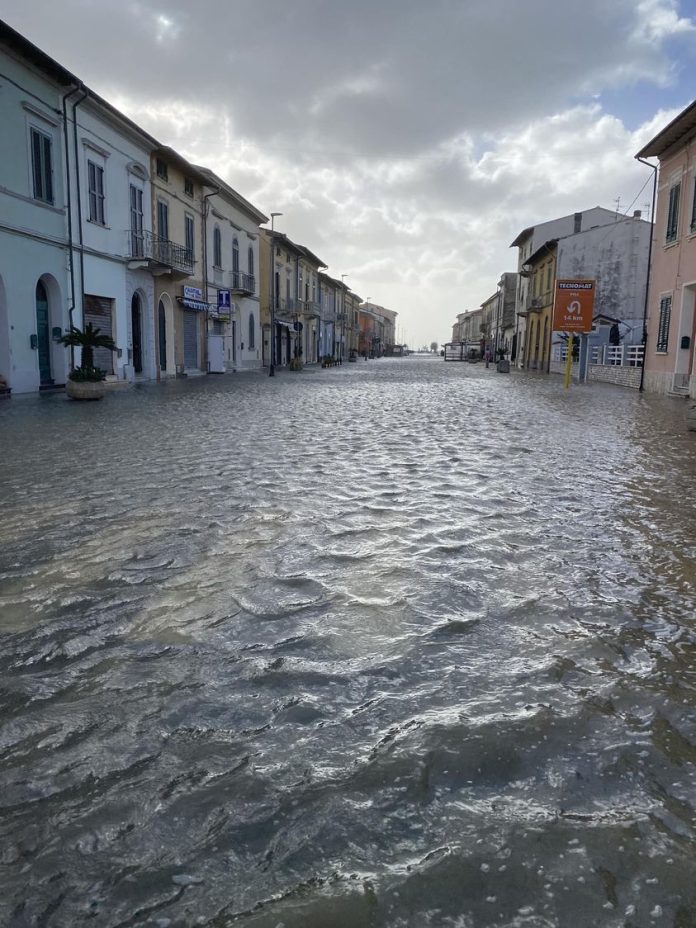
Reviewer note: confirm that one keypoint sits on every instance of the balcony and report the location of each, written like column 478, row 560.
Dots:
column 242, row 283
column 158, row 254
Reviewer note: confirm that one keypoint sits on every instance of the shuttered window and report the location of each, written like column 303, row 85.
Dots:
column 693, row 210
column 42, row 166
column 95, row 180
column 188, row 228
column 673, row 213
column 663, row 325
column 99, row 311
column 217, row 247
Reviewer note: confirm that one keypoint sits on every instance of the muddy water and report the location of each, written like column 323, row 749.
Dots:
column 400, row 644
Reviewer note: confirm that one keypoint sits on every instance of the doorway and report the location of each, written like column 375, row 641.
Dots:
column 43, row 332
column 137, row 333
column 162, row 333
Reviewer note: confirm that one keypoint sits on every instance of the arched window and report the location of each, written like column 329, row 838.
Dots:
column 235, row 262
column 252, row 331
column 251, row 261
column 217, row 247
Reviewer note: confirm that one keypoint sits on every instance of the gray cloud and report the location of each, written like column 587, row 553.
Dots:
column 406, row 143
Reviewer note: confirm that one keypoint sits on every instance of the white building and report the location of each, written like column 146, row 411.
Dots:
column 529, row 241
column 231, row 268
column 110, row 180
column 616, row 256
column 69, row 167
column 35, row 286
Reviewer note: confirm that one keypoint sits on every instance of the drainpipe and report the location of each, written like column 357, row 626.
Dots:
column 66, row 145
column 206, row 197
column 654, row 169
column 78, row 185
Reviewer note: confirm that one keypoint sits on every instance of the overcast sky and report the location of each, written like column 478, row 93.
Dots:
column 407, row 143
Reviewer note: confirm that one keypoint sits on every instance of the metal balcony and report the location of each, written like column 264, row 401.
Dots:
column 159, row 253
column 242, row 283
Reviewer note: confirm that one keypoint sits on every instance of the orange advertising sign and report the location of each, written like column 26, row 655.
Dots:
column 573, row 305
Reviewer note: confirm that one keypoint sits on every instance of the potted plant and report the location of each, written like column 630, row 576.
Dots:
column 86, row 382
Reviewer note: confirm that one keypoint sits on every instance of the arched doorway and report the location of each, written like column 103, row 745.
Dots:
column 43, row 334
column 4, row 341
column 162, row 335
column 137, row 333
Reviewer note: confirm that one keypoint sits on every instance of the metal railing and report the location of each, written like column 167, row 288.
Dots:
column 618, row 355
column 246, row 283
column 148, row 246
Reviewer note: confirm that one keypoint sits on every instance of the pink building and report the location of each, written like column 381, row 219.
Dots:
column 671, row 324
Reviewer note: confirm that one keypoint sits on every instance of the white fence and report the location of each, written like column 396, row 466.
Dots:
column 617, row 355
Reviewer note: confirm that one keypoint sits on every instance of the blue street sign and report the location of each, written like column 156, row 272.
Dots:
column 223, row 299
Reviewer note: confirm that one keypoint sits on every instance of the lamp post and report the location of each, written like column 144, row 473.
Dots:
column 367, row 304
column 343, row 327
column 271, row 366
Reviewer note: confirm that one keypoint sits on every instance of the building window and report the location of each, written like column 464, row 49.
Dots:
column 188, row 232
column 161, row 168
column 163, row 220
column 42, row 166
column 252, row 332
column 188, row 187
column 235, row 263
column 136, row 221
column 217, row 247
column 673, row 213
column 95, row 180
column 549, row 270
column 250, row 261
column 693, row 210
column 663, row 325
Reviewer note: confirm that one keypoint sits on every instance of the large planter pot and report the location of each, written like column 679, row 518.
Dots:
column 86, row 389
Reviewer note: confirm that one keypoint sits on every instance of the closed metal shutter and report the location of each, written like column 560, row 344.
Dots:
column 99, row 311
column 190, row 340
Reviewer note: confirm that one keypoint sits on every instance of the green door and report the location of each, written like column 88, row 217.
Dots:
column 43, row 333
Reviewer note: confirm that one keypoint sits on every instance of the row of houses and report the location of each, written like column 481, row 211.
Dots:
column 644, row 332
column 515, row 322
column 101, row 223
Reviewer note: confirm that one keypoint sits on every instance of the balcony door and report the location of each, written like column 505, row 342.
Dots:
column 137, row 332
column 136, row 220
column 43, row 334
column 163, row 220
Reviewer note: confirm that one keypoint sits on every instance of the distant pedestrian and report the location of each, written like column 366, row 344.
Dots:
column 487, row 356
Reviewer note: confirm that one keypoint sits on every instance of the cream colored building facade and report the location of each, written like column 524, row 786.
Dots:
column 176, row 254
column 231, row 277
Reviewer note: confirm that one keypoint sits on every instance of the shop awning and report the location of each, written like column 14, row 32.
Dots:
column 198, row 305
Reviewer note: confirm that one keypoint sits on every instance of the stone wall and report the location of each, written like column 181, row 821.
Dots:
column 613, row 373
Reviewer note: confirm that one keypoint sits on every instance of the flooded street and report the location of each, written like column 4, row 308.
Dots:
column 393, row 645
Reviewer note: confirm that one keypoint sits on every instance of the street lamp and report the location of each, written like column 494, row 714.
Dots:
column 271, row 367
column 367, row 303
column 343, row 326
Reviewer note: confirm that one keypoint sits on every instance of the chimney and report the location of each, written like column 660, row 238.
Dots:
column 577, row 222
column 637, row 214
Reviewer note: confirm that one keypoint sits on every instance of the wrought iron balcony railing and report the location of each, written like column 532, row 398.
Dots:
column 150, row 247
column 242, row 283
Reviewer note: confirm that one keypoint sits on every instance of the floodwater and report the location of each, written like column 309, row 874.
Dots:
column 401, row 644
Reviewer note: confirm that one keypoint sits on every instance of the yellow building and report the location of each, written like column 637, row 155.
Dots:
column 540, row 270
column 175, row 254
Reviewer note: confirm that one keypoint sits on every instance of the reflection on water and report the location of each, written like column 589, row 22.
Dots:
column 406, row 644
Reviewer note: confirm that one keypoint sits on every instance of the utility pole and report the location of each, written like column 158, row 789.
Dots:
column 271, row 364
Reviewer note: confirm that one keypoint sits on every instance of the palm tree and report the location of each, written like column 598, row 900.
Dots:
column 88, row 339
